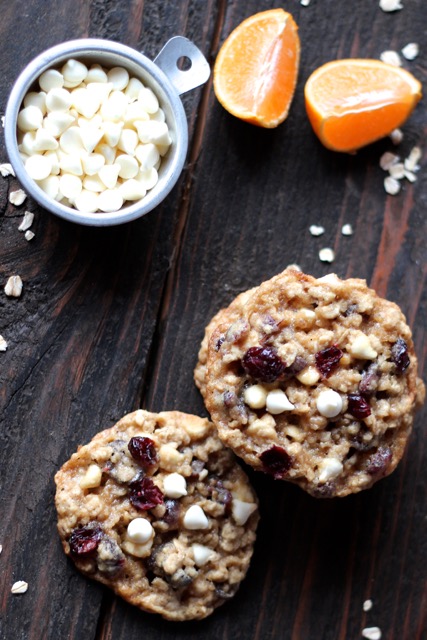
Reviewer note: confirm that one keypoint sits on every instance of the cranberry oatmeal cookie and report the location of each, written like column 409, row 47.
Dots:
column 157, row 509
column 315, row 383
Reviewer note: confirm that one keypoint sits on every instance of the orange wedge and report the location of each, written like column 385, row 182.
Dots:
column 351, row 103
column 256, row 69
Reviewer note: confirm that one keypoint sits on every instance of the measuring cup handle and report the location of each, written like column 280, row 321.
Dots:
column 167, row 59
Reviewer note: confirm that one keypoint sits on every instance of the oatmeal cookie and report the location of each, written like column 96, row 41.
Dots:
column 157, row 509
column 227, row 315
column 315, row 382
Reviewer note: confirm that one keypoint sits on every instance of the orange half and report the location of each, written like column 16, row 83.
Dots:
column 256, row 69
column 351, row 103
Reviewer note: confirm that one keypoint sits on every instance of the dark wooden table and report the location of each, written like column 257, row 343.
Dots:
column 110, row 320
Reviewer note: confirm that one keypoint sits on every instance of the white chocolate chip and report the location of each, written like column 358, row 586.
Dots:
column 19, row 587
column 112, row 132
column 128, row 141
column 411, row 162
column 140, row 531
column 137, row 550
column 93, row 183
column 36, row 100
column 329, row 403
column 27, row 221
column 90, row 137
column 367, row 605
column 255, row 396
column 110, row 200
column 6, row 169
column 347, row 230
column 119, row 78
column 278, row 402
column 70, row 163
column 114, row 108
column 242, row 510
column 308, row 376
column 316, row 230
column 92, row 477
column 152, row 131
column 58, row 100
column 87, row 201
column 30, row 118
column 327, row 255
column 96, row 74
column 13, row 287
column 29, row 235
column 149, row 101
column 57, row 122
column 147, row 155
column 371, row 633
column 17, row 197
column 85, row 101
column 70, row 186
column 38, row 166
column 51, row 79
column 132, row 190
column 3, row 347
column 329, row 468
column 390, row 5
column 148, row 179
column 71, row 141
column 74, row 73
column 93, row 163
column 44, row 141
column 195, row 518
column 361, row 348
column 109, row 174
column 387, row 160
column 133, row 88
column 50, row 185
column 174, row 485
column 391, row 57
column 410, row 51
column 397, row 171
column 128, row 166
column 201, row 554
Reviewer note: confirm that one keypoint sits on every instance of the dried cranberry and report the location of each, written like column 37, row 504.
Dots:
column 143, row 451
column 328, row 359
column 84, row 541
column 399, row 355
column 370, row 379
column 276, row 461
column 263, row 364
column 358, row 406
column 144, row 494
column 378, row 463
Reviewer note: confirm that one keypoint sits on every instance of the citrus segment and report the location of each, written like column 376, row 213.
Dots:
column 256, row 68
column 351, row 103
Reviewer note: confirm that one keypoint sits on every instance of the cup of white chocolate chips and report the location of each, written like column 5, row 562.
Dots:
column 96, row 132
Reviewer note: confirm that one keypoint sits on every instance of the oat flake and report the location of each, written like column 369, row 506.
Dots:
column 3, row 347
column 411, row 162
column 410, row 51
column 410, row 176
column 17, row 197
column 19, row 587
column 305, row 3
column 6, row 169
column 327, row 255
column 390, row 5
column 372, row 633
column 13, row 287
column 388, row 159
column 27, row 221
column 391, row 185
column 397, row 171
column 396, row 136
column 29, row 235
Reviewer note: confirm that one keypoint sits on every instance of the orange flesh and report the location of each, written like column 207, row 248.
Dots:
column 256, row 70
column 354, row 103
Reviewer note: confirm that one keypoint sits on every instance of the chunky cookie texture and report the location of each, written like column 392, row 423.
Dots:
column 157, row 509
column 314, row 381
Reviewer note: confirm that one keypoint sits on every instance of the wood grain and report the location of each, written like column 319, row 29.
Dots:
column 111, row 319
